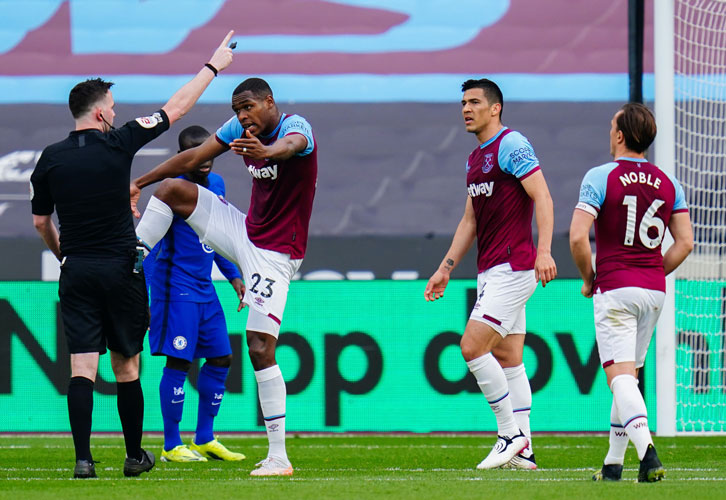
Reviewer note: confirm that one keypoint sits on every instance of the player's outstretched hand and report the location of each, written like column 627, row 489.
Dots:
column 545, row 269
column 436, row 286
column 135, row 194
column 249, row 146
column 222, row 57
column 239, row 287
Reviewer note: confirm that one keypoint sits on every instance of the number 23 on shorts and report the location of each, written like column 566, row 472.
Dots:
column 266, row 285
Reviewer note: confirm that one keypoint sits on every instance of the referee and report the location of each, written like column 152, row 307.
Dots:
column 103, row 298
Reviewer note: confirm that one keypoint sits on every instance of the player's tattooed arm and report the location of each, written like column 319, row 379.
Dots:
column 463, row 239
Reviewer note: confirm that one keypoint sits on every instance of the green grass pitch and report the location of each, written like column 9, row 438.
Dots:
column 362, row 467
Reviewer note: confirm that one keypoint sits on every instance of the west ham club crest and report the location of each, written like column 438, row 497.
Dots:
column 488, row 163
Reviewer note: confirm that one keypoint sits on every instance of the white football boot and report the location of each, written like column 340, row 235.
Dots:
column 272, row 466
column 520, row 461
column 505, row 449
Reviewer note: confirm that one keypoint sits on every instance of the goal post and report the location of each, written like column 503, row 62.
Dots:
column 665, row 339
column 690, row 107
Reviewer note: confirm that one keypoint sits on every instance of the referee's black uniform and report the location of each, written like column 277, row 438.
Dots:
column 103, row 298
column 86, row 179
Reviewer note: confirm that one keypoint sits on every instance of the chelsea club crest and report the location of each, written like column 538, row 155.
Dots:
column 179, row 343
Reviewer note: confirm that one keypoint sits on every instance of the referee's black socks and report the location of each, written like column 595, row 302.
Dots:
column 80, row 408
column 130, row 403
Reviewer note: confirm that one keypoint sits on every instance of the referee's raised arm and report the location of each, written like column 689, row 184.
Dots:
column 177, row 106
column 184, row 98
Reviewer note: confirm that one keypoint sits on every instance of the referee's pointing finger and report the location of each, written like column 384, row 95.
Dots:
column 227, row 38
column 222, row 56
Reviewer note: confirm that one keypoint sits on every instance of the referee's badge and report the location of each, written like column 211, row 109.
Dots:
column 179, row 343
column 149, row 121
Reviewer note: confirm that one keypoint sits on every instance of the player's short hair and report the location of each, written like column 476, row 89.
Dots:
column 259, row 88
column 191, row 136
column 492, row 92
column 637, row 124
column 85, row 94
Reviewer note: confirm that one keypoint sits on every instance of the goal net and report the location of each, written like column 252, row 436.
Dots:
column 699, row 91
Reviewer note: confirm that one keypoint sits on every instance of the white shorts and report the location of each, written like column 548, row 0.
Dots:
column 501, row 297
column 624, row 322
column 267, row 274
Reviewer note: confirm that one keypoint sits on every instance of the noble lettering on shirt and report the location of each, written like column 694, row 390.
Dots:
column 632, row 201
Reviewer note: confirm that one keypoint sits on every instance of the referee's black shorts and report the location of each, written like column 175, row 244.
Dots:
column 103, row 304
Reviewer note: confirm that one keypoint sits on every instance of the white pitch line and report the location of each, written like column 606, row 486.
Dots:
column 386, row 469
column 485, row 445
column 157, row 479
column 70, row 446
column 506, row 471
